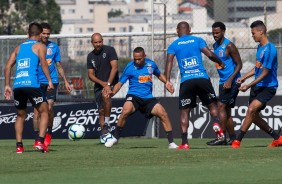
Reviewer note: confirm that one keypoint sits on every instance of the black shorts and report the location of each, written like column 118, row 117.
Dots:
column 228, row 96
column 262, row 94
column 144, row 105
column 35, row 95
column 50, row 95
column 190, row 89
column 98, row 97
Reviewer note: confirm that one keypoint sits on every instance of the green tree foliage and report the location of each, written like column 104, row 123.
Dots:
column 15, row 20
column 114, row 13
column 275, row 36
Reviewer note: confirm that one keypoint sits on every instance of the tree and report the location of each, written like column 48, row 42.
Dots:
column 275, row 36
column 22, row 12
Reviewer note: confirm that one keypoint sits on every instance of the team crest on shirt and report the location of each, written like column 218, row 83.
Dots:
column 49, row 51
column 220, row 53
column 150, row 69
column 104, row 55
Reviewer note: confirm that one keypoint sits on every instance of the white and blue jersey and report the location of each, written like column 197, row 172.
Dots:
column 140, row 78
column 52, row 56
column 27, row 63
column 266, row 57
column 230, row 65
column 187, row 50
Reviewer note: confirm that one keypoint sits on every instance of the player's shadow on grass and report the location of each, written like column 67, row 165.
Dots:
column 142, row 147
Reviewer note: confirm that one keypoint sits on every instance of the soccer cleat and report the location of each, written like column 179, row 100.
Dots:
column 217, row 142
column 218, row 130
column 183, row 146
column 19, row 149
column 40, row 146
column 276, row 143
column 111, row 142
column 172, row 145
column 229, row 142
column 47, row 139
column 235, row 144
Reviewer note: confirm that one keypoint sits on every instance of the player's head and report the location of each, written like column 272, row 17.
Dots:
column 218, row 30
column 139, row 56
column 97, row 42
column 46, row 32
column 183, row 28
column 34, row 30
column 258, row 30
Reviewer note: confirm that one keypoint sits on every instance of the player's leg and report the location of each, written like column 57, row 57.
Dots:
column 101, row 110
column 127, row 110
column 230, row 127
column 19, row 126
column 36, row 120
column 107, row 104
column 159, row 111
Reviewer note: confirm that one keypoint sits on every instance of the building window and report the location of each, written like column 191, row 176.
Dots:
column 71, row 11
column 78, row 30
column 62, row 11
column 91, row 11
column 122, row 29
column 112, row 29
column 90, row 29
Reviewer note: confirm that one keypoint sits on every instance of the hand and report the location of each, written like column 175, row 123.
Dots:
column 68, row 86
column 8, row 92
column 227, row 84
column 107, row 92
column 240, row 80
column 50, row 86
column 169, row 87
column 222, row 65
column 244, row 88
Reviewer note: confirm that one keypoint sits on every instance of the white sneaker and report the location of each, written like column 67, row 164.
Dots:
column 111, row 142
column 172, row 146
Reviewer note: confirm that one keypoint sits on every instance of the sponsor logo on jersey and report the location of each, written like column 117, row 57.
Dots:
column 22, row 74
column 23, row 63
column 258, row 64
column 185, row 42
column 143, row 79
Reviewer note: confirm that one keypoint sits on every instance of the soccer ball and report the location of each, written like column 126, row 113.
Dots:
column 104, row 138
column 76, row 132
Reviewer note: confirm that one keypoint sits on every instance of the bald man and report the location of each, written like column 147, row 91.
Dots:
column 102, row 68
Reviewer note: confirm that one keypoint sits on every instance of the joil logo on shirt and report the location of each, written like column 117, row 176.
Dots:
column 23, row 63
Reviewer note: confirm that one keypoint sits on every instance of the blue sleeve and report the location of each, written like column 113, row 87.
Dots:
column 268, row 58
column 202, row 43
column 57, row 55
column 156, row 71
column 125, row 75
column 170, row 49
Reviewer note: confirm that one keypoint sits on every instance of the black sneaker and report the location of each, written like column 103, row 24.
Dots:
column 208, row 143
column 105, row 130
column 217, row 142
column 229, row 142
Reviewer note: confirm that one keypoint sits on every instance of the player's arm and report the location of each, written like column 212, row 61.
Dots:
column 212, row 56
column 263, row 74
column 41, row 48
column 235, row 55
column 168, row 68
column 7, row 72
column 116, row 88
column 93, row 78
column 62, row 74
column 168, row 85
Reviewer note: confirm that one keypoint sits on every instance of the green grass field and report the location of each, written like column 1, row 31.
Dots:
column 140, row 160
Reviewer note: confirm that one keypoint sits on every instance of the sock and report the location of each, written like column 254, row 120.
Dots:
column 232, row 136
column 36, row 133
column 273, row 134
column 184, row 138
column 118, row 132
column 19, row 144
column 49, row 130
column 169, row 136
column 41, row 139
column 107, row 121
column 241, row 135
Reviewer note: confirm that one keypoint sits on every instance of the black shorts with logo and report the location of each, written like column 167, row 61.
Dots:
column 228, row 96
column 144, row 105
column 52, row 95
column 35, row 95
column 262, row 94
column 190, row 89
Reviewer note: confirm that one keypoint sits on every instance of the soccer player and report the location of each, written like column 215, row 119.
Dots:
column 263, row 87
column 194, row 78
column 102, row 65
column 139, row 97
column 228, row 53
column 53, row 58
column 27, row 57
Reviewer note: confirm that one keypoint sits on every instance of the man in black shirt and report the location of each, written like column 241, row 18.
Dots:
column 102, row 68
